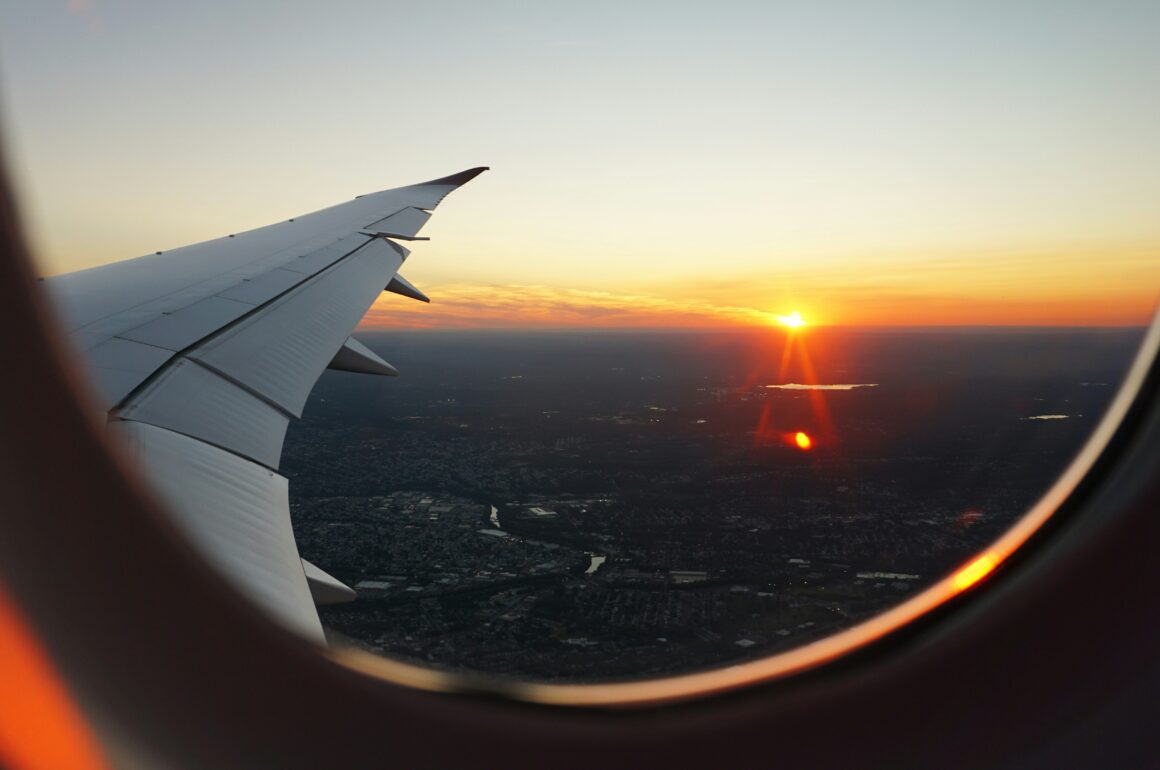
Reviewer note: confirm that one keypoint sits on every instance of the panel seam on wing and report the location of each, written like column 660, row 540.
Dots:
column 184, row 352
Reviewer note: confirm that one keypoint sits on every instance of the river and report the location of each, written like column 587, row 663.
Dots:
column 595, row 560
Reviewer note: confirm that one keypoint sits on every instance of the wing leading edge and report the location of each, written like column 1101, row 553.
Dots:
column 201, row 356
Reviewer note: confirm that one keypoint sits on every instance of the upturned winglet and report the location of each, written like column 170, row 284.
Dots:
column 463, row 177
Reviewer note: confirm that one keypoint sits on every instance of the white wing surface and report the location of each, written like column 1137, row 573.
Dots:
column 201, row 355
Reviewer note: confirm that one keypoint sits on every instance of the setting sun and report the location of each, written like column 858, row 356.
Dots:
column 794, row 320
column 802, row 440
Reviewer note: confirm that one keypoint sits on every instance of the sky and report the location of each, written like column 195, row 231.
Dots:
column 653, row 163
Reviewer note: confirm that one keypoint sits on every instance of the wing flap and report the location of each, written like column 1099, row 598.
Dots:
column 401, row 224
column 235, row 511
column 188, row 398
column 280, row 352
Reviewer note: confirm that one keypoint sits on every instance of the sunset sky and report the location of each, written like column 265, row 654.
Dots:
column 662, row 164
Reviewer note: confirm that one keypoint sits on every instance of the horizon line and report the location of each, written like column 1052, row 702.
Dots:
column 737, row 328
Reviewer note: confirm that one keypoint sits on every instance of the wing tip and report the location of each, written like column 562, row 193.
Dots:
column 463, row 177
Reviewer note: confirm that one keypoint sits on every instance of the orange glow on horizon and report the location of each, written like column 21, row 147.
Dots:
column 802, row 440
column 975, row 571
column 496, row 306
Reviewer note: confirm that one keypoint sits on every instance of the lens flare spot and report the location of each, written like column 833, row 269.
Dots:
column 975, row 571
column 802, row 440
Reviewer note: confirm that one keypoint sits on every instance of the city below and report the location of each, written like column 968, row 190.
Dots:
column 584, row 506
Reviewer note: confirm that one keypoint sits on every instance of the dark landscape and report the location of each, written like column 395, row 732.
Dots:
column 578, row 506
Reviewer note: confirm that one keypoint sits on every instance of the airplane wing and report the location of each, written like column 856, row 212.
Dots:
column 200, row 356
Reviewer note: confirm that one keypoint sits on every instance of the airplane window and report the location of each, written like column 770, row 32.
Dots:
column 757, row 353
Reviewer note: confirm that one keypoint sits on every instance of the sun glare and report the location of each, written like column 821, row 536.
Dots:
column 794, row 320
column 802, row 440
column 975, row 571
